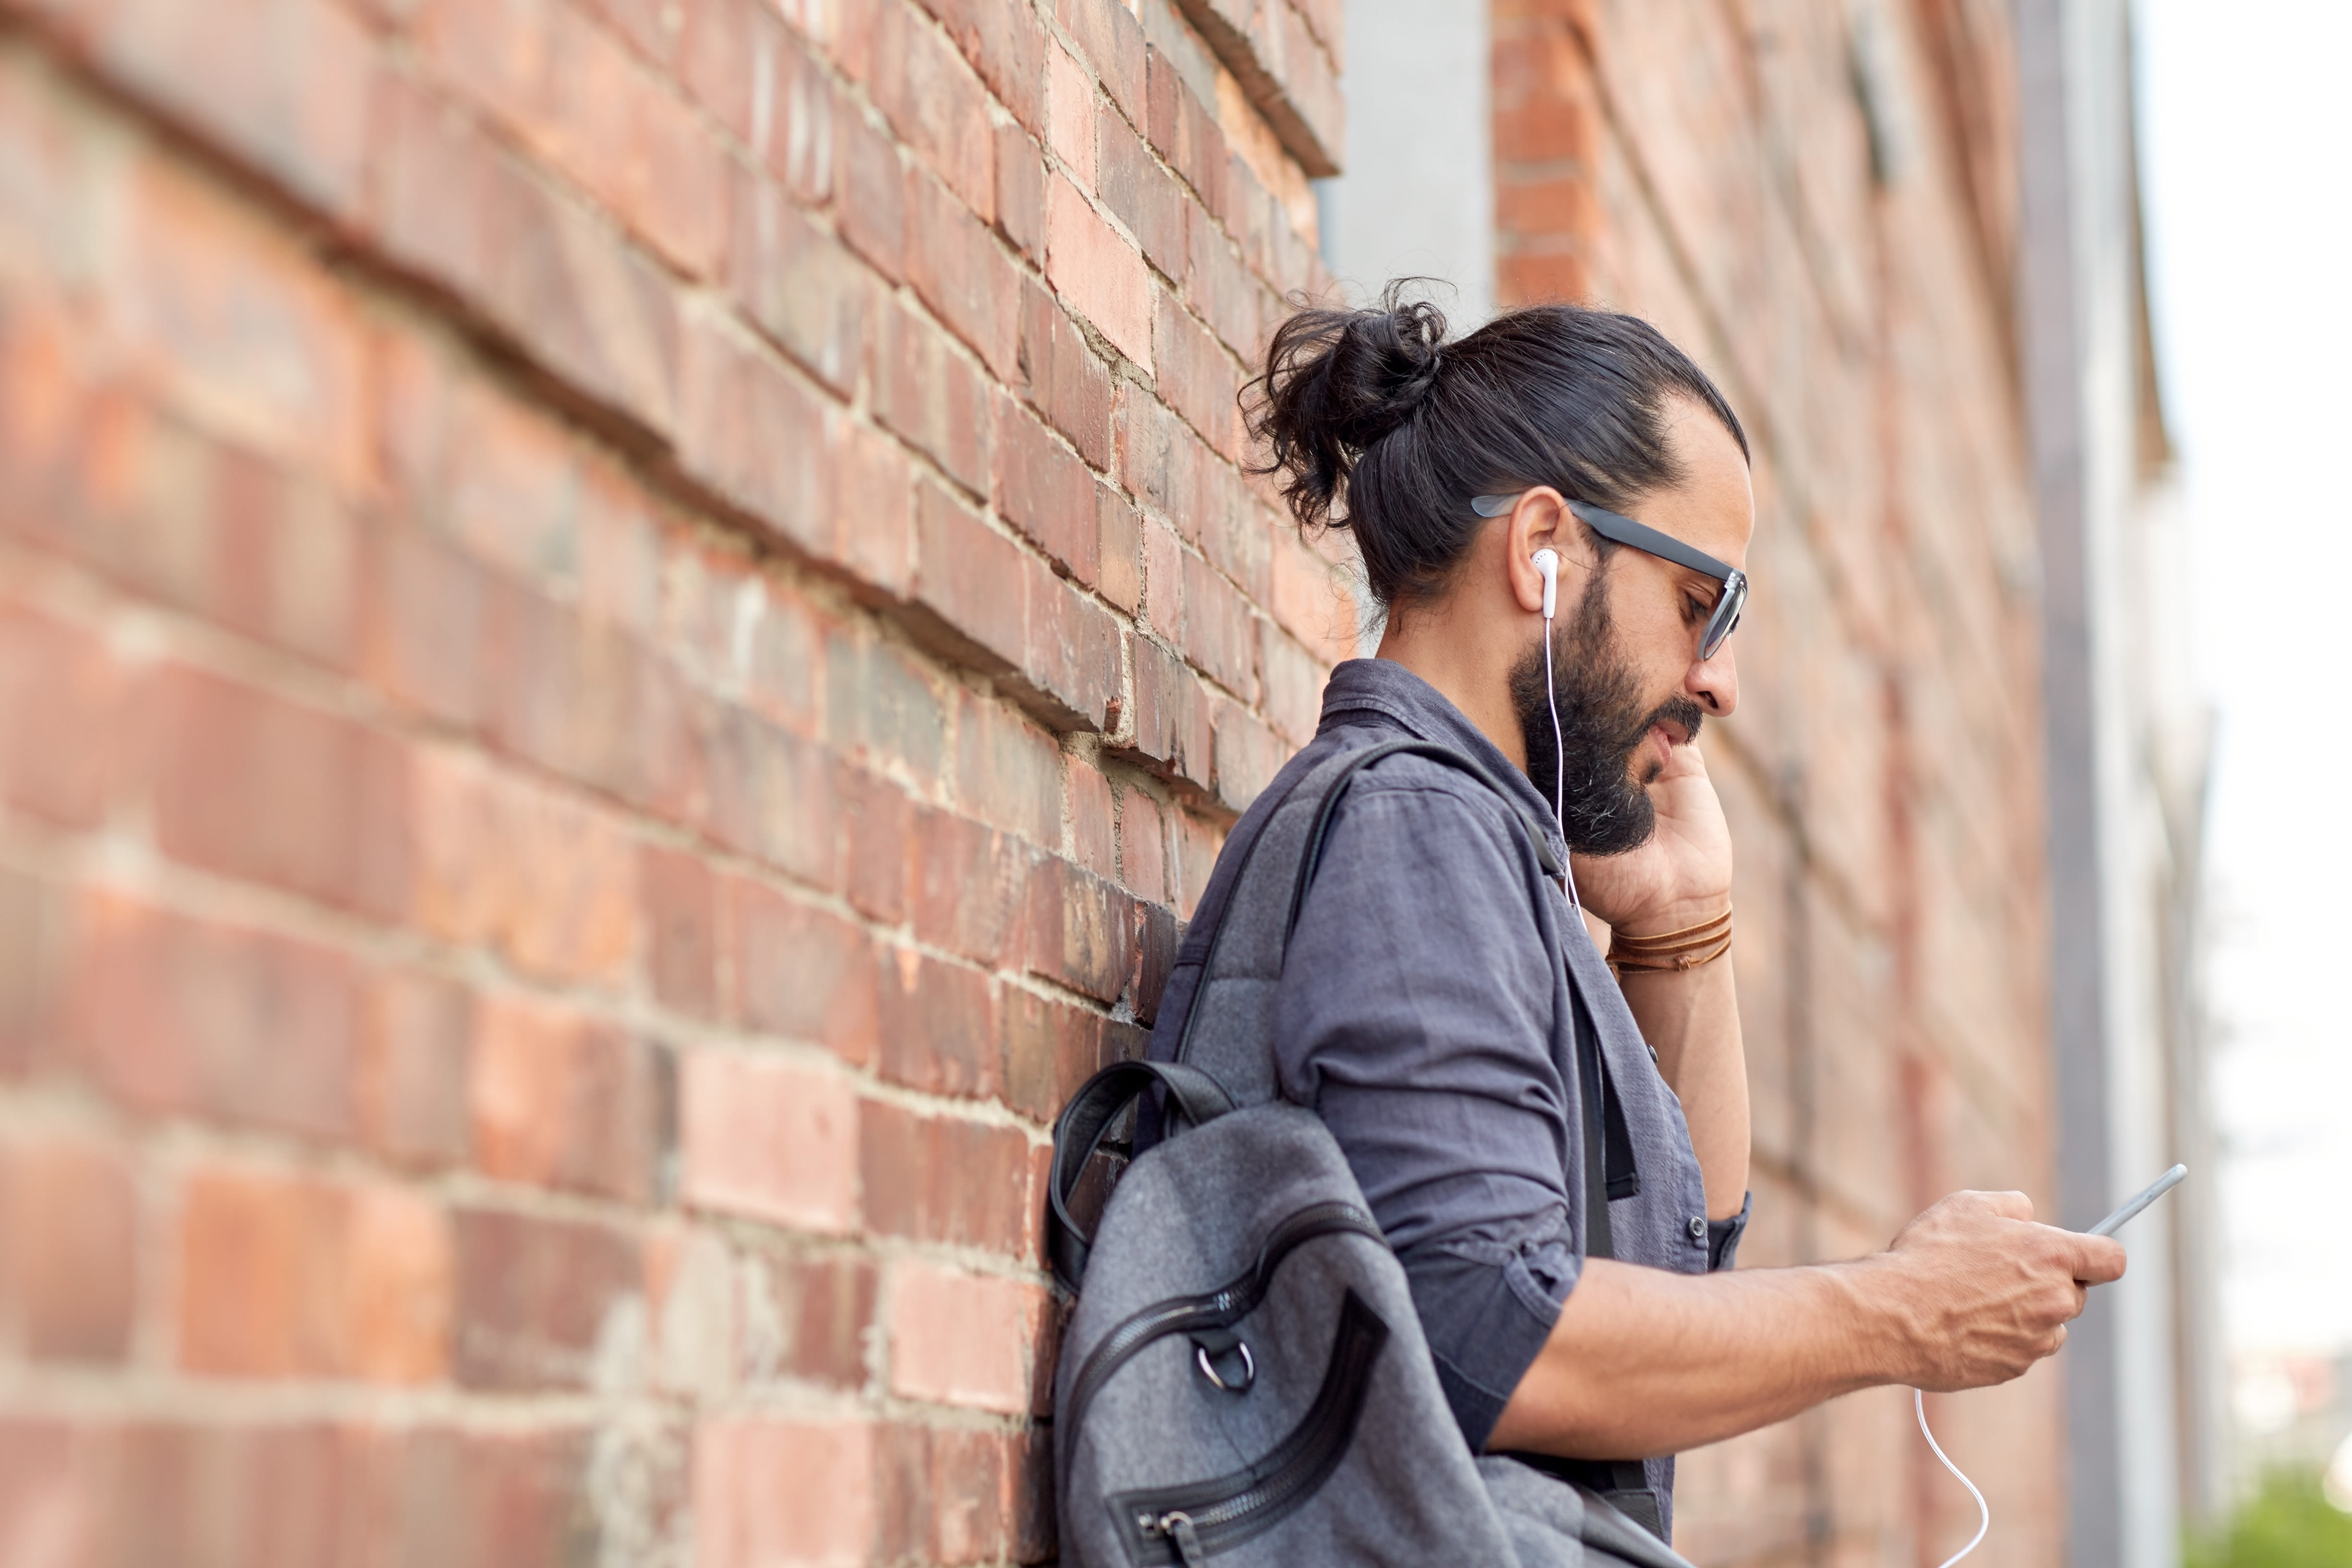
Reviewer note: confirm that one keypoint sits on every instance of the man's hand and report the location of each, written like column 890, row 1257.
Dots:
column 1985, row 1292
column 1683, row 875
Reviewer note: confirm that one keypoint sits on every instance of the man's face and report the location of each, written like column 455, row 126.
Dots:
column 1626, row 673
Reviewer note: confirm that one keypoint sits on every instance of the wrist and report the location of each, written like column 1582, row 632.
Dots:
column 1886, row 1336
column 1680, row 914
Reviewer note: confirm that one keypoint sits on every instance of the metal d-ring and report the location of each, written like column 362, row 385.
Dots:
column 1249, row 1367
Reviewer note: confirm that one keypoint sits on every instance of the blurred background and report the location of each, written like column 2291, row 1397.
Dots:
column 628, row 628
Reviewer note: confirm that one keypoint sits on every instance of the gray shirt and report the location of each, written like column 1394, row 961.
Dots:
column 1425, row 1013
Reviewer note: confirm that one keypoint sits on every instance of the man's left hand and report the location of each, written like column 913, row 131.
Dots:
column 1679, row 878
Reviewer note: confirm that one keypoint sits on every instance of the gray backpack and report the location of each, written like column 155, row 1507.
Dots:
column 1243, row 1381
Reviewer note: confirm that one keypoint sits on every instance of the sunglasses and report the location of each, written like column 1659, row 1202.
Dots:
column 1620, row 529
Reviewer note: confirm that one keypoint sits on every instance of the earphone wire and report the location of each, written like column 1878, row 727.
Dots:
column 1984, row 1510
column 1559, row 771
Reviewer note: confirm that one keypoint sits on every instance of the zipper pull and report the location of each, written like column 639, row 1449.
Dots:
column 1177, row 1526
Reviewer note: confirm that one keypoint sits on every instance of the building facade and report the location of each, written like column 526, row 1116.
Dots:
column 627, row 626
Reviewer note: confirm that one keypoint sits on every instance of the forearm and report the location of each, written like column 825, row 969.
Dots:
column 1692, row 1019
column 1645, row 1361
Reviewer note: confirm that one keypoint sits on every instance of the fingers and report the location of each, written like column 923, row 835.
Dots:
column 2011, row 1206
column 2098, row 1259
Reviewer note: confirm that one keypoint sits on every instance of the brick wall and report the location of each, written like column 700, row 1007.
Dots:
column 1818, row 199
column 624, row 629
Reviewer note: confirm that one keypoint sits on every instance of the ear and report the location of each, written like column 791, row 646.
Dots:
column 1540, row 520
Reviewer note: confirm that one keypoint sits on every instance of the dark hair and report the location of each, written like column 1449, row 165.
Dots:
column 1374, row 411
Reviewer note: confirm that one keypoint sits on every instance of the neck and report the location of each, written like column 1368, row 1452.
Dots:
column 1472, row 671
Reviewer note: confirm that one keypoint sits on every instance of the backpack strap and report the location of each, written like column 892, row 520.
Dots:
column 1086, row 1120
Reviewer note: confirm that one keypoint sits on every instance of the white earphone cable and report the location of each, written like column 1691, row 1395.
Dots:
column 1984, row 1510
column 1559, row 768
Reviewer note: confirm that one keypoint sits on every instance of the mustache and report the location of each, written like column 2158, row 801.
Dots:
column 1675, row 712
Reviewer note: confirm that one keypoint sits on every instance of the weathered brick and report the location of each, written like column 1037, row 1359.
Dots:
column 254, row 786
column 288, row 1276
column 938, row 1025
column 933, row 396
column 971, row 583
column 1248, row 755
column 807, row 1318
column 874, row 507
column 1100, row 274
column 1070, row 117
column 935, row 104
column 803, row 287
column 945, row 1180
column 878, row 821
column 772, row 797
column 544, row 1303
column 1120, row 528
column 770, row 1139
column 1173, row 731
column 954, row 262
column 1064, row 380
column 1112, row 41
column 413, row 1074
column 35, row 948
column 1162, row 935
column 775, row 1490
column 1143, row 195
column 946, row 1494
column 1219, row 631
column 62, row 711
column 1008, row 771
column 681, row 924
column 1184, row 133
column 869, row 180
column 1050, row 1048
column 1005, row 44
column 1197, row 378
column 69, row 1264
column 1093, row 816
column 425, row 626
column 799, row 971
column 757, row 436
column 175, row 1015
column 556, row 1101
column 511, row 865
column 747, row 67
column 1044, row 490
column 881, row 702
column 970, row 884
column 1082, row 930
column 1142, row 847
column 1072, row 663
column 962, row 1339
column 1021, row 194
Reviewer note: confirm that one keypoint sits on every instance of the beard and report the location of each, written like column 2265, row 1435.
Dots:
column 1605, row 809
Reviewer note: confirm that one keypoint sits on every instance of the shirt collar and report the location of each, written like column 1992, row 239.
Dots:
column 1382, row 689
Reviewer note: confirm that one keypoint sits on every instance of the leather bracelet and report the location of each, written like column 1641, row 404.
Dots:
column 1674, row 951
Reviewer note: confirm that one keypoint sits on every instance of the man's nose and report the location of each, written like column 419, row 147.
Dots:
column 1714, row 683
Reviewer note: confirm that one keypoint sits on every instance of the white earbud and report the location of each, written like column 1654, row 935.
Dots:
column 1547, row 562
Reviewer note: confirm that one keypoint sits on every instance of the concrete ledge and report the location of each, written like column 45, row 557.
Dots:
column 1290, row 76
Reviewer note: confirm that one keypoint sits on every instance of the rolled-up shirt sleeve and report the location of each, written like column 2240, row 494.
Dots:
column 1416, row 1016
column 1723, row 1237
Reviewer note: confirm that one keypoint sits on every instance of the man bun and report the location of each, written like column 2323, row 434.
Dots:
column 1376, row 424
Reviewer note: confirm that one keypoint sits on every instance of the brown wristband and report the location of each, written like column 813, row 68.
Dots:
column 1671, row 953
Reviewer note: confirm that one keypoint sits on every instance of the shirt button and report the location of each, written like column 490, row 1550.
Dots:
column 1698, row 1228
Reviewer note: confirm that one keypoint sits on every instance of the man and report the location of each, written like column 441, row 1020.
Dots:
column 1436, row 984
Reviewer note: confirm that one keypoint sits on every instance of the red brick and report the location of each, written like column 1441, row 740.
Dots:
column 513, row 866
column 1248, row 755
column 774, row 796
column 285, row 1276
column 935, row 105
column 938, row 1026
column 783, row 667
column 932, row 395
column 412, row 1073
column 1070, row 117
column 556, row 1101
column 1064, row 380
column 879, row 821
column 1044, row 490
column 942, row 1179
column 1197, row 378
column 62, row 711
column 954, row 262
column 1082, row 931
column 68, row 1250
column 1221, row 291
column 1072, row 665
column 971, row 583
column 425, row 624
column 582, row 302
column 800, row 973
column 757, row 436
column 1142, row 194
column 253, row 787
column 1021, row 193
column 1008, row 771
column 808, row 1318
column 1050, row 1048
column 1163, row 936
column 34, row 955
column 948, row 1495
column 970, row 885
column 818, row 303
column 869, row 179
column 883, row 702
column 1111, row 40
column 1005, row 45
column 681, row 920
column 1143, row 847
column 585, row 702
column 1186, row 135
column 1220, row 633
column 774, row 1490
column 874, row 507
column 769, row 1139
column 963, row 1338
column 1102, row 276
column 1093, row 818
column 745, row 66
column 172, row 1015
column 1171, row 715
column 1197, row 843
column 543, row 1304
column 1120, row 528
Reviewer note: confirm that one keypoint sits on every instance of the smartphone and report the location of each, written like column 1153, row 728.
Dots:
column 2138, row 1201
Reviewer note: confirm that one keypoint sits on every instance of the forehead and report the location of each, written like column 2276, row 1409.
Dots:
column 1713, row 506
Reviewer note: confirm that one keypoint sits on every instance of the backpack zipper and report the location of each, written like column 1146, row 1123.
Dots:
column 1185, row 1524
column 1219, row 1309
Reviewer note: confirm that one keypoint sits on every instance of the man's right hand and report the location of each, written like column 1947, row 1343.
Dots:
column 1981, row 1292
